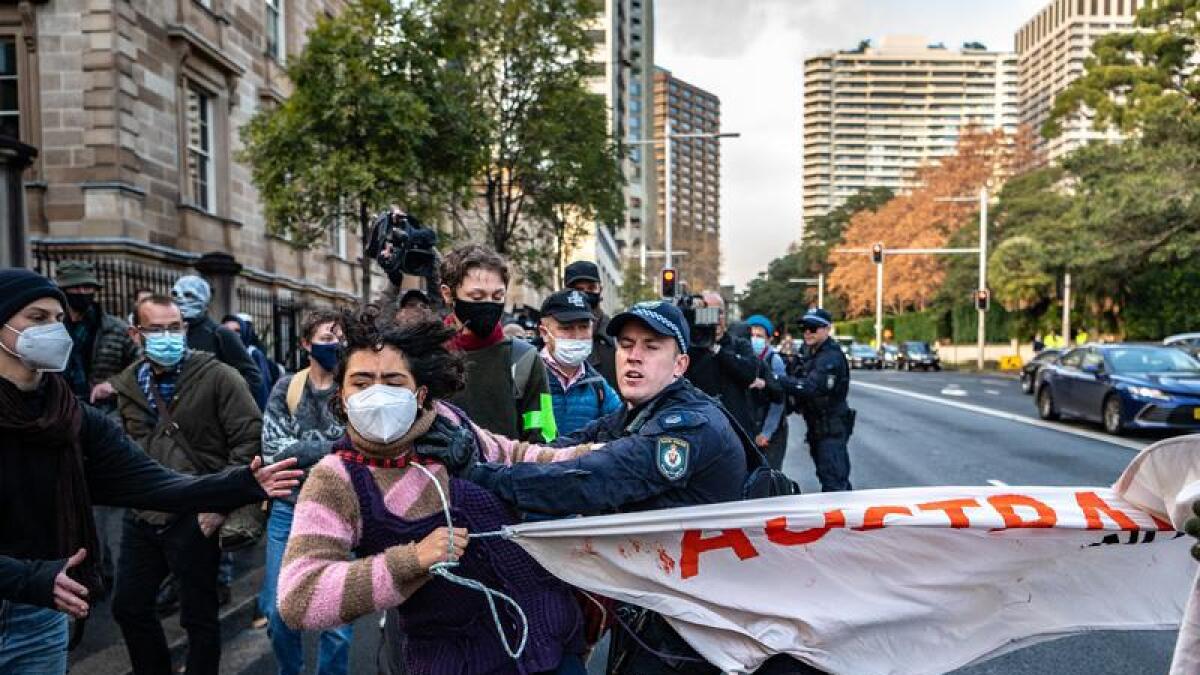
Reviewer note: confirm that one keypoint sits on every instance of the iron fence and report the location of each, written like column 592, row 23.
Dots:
column 276, row 312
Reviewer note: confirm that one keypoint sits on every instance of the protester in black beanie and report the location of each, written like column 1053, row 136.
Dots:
column 58, row 457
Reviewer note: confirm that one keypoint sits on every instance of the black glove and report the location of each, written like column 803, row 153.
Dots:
column 453, row 446
column 1192, row 527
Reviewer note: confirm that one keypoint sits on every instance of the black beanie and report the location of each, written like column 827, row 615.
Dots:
column 19, row 287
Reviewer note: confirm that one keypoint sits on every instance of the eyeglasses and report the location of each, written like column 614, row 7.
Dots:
column 160, row 331
column 810, row 329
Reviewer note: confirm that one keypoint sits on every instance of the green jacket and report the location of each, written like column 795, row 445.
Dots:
column 215, row 422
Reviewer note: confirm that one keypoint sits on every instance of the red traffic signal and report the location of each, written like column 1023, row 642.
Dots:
column 983, row 298
column 668, row 282
column 877, row 254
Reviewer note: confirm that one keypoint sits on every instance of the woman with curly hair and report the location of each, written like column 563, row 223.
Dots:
column 370, row 526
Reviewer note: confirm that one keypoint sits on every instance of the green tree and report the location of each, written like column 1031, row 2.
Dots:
column 547, row 160
column 375, row 118
column 634, row 289
column 1134, row 76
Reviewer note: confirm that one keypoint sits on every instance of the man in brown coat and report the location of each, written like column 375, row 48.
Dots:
column 193, row 414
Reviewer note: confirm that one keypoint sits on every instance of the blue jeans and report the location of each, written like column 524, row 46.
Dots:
column 333, row 654
column 33, row 640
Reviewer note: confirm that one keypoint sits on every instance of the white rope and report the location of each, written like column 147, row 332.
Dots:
column 442, row 569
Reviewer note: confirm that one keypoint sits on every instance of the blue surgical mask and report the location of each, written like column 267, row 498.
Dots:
column 759, row 344
column 165, row 349
column 325, row 354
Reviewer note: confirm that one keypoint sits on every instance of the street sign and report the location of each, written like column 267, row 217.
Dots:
column 1011, row 363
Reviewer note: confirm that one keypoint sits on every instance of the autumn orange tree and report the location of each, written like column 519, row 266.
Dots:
column 919, row 219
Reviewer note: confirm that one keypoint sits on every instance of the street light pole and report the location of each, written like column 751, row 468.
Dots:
column 819, row 280
column 983, row 214
column 666, row 140
column 879, row 303
column 669, row 169
column 1066, row 313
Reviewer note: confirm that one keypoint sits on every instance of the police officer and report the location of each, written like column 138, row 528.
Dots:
column 819, row 393
column 671, row 445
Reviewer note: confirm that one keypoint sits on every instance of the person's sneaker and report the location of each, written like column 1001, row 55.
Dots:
column 258, row 621
column 224, row 595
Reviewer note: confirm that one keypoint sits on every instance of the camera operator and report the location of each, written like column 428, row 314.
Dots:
column 722, row 365
column 818, row 391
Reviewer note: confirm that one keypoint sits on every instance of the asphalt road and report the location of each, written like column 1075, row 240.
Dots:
column 947, row 428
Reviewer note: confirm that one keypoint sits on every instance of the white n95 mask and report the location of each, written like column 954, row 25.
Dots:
column 381, row 413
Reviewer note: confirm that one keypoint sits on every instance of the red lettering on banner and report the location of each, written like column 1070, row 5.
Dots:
column 1093, row 506
column 778, row 533
column 954, row 510
column 694, row 543
column 1005, row 504
column 874, row 515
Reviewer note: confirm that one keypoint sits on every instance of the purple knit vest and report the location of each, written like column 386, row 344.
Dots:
column 449, row 628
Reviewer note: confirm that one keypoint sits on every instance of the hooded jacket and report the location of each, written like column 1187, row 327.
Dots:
column 205, row 335
column 214, row 423
column 254, row 348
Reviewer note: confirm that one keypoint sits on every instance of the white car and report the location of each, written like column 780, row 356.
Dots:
column 1188, row 342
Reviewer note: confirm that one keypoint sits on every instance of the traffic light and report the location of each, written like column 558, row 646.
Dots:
column 668, row 282
column 983, row 297
column 877, row 254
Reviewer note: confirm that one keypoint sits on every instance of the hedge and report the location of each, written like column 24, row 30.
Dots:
column 957, row 325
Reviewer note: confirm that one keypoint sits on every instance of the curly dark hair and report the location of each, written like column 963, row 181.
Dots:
column 422, row 344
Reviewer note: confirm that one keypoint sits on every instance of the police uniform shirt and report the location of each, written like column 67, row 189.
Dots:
column 676, row 450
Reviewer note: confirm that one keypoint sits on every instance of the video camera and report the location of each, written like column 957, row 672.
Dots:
column 402, row 245
column 702, row 321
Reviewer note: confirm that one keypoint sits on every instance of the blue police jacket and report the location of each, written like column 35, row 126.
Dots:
column 678, row 449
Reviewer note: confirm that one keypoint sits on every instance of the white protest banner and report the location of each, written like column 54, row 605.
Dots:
column 913, row 580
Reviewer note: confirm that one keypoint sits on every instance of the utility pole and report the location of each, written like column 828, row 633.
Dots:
column 669, row 169
column 879, row 303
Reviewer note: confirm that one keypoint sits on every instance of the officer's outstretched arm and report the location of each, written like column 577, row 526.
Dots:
column 820, row 381
column 621, row 472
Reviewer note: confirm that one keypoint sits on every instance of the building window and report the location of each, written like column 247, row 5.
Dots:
column 337, row 232
column 200, row 149
column 10, row 107
column 275, row 36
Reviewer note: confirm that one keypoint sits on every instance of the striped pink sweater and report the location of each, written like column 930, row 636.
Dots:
column 320, row 585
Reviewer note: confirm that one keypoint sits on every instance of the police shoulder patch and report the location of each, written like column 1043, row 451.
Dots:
column 672, row 457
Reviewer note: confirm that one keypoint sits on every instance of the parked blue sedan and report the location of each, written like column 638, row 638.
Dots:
column 1123, row 387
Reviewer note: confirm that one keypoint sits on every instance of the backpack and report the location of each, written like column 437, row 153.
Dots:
column 761, row 480
column 295, row 390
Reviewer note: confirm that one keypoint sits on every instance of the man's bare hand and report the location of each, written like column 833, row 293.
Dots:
column 210, row 522
column 70, row 596
column 278, row 479
column 101, row 391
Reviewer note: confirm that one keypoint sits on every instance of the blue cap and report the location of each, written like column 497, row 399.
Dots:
column 660, row 316
column 762, row 322
column 816, row 318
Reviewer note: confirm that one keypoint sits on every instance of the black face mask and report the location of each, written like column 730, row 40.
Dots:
column 80, row 302
column 593, row 299
column 479, row 317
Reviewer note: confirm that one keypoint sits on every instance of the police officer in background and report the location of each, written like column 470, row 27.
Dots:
column 818, row 391
column 670, row 445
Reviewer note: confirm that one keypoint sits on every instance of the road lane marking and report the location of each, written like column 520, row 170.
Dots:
column 953, row 390
column 997, row 483
column 993, row 392
column 1053, row 426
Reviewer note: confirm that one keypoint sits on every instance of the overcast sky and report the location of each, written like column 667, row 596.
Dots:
column 751, row 54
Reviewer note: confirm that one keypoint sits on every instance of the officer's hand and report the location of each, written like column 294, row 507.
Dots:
column 758, row 383
column 453, row 446
column 442, row 545
column 762, row 441
column 210, row 522
column 100, row 392
column 1192, row 527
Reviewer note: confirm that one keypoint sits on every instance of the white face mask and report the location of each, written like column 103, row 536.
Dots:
column 571, row 353
column 382, row 413
column 45, row 348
